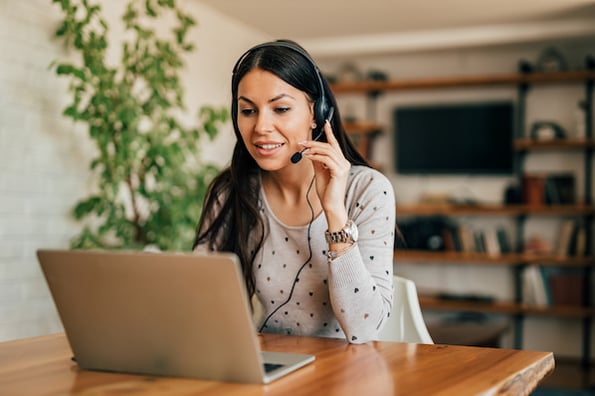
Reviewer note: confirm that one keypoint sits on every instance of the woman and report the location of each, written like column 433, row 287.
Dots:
column 315, row 234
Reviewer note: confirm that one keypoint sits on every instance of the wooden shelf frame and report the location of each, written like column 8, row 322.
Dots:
column 432, row 303
column 372, row 87
column 508, row 259
column 493, row 210
column 553, row 144
column 362, row 127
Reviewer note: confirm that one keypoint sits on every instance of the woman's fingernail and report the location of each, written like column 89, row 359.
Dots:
column 301, row 143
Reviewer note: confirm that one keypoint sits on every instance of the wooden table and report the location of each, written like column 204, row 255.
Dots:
column 42, row 366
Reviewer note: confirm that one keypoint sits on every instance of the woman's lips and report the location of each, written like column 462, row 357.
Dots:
column 266, row 149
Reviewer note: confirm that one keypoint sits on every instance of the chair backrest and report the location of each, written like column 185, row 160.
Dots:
column 406, row 323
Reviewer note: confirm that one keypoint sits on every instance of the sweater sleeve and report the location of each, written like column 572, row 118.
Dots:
column 361, row 280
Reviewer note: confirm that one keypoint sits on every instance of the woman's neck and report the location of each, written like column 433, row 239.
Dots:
column 291, row 186
column 291, row 197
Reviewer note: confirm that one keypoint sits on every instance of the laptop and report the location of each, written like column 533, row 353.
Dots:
column 167, row 314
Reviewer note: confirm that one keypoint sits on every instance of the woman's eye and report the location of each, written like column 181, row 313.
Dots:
column 247, row 112
column 282, row 109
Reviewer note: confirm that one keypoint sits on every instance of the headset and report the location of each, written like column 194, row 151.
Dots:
column 322, row 111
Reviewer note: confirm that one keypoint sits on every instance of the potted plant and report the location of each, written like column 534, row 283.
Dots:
column 150, row 179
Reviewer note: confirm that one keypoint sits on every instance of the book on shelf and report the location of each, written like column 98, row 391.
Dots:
column 564, row 238
column 492, row 244
column 503, row 242
column 580, row 245
column 572, row 239
column 533, row 187
column 451, row 239
column 560, row 189
column 551, row 286
column 534, row 289
column 479, row 241
column 566, row 287
column 549, row 189
column 465, row 236
column 454, row 237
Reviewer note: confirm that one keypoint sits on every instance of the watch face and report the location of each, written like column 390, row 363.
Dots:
column 353, row 231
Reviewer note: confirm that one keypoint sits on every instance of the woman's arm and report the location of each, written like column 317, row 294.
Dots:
column 361, row 280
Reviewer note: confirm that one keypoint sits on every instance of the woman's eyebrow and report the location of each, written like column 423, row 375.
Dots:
column 278, row 97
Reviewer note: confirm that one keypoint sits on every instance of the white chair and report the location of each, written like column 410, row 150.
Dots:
column 406, row 323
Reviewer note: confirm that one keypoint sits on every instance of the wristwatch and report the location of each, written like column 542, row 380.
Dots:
column 348, row 234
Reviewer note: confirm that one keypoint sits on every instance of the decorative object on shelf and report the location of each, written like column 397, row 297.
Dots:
column 376, row 75
column 424, row 233
column 551, row 60
column 525, row 66
column 348, row 72
column 330, row 78
column 513, row 194
column 547, row 130
column 536, row 244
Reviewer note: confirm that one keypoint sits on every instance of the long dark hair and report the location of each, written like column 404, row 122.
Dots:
column 237, row 225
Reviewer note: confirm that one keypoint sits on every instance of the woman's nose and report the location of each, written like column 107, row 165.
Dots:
column 264, row 122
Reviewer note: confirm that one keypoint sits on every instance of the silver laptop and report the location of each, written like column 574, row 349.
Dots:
column 180, row 315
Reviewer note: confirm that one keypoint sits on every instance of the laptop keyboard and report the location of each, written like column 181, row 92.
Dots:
column 268, row 367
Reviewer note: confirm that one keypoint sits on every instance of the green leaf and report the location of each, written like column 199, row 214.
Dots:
column 86, row 207
column 160, row 165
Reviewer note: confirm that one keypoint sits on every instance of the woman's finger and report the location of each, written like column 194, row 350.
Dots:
column 328, row 130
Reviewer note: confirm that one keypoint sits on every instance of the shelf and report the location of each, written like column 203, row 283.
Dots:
column 436, row 304
column 462, row 81
column 362, row 127
column 566, row 311
column 553, row 144
column 451, row 209
column 503, row 307
column 493, row 210
column 509, row 259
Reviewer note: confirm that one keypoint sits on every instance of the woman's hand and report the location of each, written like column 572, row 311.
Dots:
column 331, row 170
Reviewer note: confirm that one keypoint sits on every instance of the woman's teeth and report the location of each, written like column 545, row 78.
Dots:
column 269, row 146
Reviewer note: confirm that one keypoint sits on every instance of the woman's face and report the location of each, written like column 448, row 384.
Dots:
column 273, row 117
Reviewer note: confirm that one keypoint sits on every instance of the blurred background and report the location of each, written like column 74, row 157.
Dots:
column 44, row 156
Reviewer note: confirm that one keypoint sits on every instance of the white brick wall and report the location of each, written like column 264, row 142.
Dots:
column 44, row 157
column 42, row 169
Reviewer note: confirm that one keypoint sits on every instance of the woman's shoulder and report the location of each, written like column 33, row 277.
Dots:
column 368, row 191
column 364, row 176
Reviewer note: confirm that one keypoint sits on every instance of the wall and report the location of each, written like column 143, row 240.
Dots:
column 555, row 102
column 44, row 157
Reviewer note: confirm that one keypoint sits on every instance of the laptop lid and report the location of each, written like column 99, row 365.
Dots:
column 166, row 314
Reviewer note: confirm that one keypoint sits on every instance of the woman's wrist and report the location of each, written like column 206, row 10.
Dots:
column 338, row 249
column 336, row 220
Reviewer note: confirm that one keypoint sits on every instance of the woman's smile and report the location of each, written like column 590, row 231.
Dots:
column 267, row 149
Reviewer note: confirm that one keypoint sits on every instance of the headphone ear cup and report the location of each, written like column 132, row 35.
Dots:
column 321, row 112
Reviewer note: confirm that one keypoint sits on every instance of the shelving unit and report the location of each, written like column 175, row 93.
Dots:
column 522, row 147
column 362, row 134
